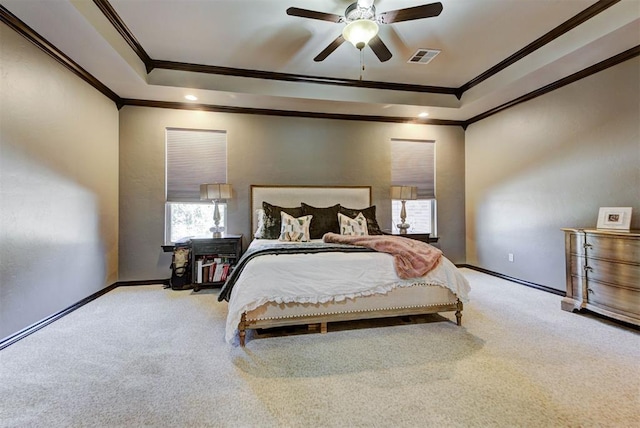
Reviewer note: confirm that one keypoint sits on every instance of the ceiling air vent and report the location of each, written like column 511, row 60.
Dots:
column 423, row 56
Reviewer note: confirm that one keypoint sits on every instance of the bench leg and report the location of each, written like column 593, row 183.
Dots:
column 459, row 313
column 242, row 329
column 323, row 327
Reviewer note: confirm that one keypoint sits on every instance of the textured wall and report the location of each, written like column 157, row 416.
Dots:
column 58, row 186
column 273, row 150
column 551, row 163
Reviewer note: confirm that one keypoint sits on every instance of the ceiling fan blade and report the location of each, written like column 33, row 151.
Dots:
column 410, row 13
column 312, row 14
column 329, row 49
column 380, row 49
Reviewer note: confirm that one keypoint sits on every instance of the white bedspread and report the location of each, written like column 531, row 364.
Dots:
column 324, row 277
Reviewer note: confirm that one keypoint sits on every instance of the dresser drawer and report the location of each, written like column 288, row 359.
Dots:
column 223, row 246
column 574, row 243
column 576, row 287
column 614, row 298
column 577, row 265
column 624, row 274
column 613, row 248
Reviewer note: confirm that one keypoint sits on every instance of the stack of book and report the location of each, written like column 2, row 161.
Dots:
column 212, row 269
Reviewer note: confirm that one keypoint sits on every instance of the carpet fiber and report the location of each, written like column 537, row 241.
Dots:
column 148, row 356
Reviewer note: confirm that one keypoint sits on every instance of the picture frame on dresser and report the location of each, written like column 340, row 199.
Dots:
column 617, row 218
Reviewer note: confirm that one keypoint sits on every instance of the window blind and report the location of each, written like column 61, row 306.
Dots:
column 413, row 164
column 193, row 158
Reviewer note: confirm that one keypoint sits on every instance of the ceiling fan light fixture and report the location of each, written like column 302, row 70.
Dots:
column 359, row 32
column 365, row 4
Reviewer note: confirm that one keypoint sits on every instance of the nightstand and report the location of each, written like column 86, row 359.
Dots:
column 212, row 259
column 424, row 237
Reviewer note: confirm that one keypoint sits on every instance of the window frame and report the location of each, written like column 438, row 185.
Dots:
column 186, row 167
column 222, row 206
column 430, row 190
column 433, row 224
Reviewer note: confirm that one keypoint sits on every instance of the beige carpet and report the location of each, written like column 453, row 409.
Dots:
column 147, row 356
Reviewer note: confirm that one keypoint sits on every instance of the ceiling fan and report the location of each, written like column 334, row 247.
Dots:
column 362, row 24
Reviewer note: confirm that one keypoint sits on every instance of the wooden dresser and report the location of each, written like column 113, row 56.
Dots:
column 603, row 272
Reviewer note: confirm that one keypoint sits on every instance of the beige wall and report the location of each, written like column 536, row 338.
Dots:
column 551, row 163
column 273, row 150
column 58, row 186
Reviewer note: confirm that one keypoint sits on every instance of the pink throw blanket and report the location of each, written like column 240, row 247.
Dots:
column 412, row 259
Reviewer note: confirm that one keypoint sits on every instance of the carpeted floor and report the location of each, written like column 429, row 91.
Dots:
column 147, row 356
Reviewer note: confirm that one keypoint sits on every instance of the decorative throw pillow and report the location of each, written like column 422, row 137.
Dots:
column 294, row 229
column 369, row 213
column 353, row 226
column 259, row 234
column 324, row 219
column 272, row 219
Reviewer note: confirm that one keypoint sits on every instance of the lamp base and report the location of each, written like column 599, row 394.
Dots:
column 403, row 227
column 217, row 231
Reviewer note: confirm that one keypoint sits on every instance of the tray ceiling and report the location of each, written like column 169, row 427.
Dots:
column 252, row 55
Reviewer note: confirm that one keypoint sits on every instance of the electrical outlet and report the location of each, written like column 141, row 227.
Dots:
column 510, row 257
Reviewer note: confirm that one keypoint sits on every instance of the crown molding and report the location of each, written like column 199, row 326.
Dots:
column 150, row 64
column 44, row 45
column 560, row 30
column 24, row 30
column 286, row 113
column 596, row 68
column 287, row 77
column 110, row 13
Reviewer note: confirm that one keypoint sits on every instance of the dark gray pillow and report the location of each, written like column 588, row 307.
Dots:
column 272, row 220
column 324, row 220
column 368, row 213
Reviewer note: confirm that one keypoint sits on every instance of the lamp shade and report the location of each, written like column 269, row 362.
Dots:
column 404, row 193
column 359, row 32
column 212, row 192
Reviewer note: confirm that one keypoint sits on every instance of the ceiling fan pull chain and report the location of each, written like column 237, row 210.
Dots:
column 361, row 63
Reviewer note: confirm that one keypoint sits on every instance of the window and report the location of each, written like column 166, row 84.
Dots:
column 186, row 219
column 193, row 157
column 413, row 164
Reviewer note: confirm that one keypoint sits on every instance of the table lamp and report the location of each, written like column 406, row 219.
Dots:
column 215, row 193
column 403, row 194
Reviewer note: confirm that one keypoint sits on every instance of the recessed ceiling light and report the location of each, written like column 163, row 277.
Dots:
column 191, row 97
column 423, row 115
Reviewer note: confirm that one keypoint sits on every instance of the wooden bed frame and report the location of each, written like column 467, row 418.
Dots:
column 416, row 300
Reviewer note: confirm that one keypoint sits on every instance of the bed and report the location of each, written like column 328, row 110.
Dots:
column 315, row 283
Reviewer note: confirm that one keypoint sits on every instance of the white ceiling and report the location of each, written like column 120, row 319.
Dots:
column 472, row 35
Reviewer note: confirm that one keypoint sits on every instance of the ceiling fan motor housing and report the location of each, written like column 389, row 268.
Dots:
column 354, row 12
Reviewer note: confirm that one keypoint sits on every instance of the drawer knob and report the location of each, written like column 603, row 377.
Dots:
column 587, row 245
column 588, row 269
